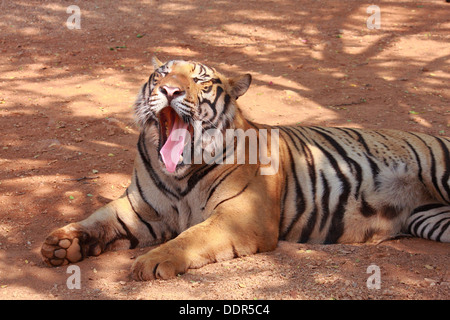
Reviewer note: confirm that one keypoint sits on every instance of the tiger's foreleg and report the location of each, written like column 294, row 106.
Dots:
column 244, row 225
column 115, row 225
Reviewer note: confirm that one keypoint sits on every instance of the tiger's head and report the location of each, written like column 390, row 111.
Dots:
column 185, row 95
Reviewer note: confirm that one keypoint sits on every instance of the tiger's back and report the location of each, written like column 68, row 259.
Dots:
column 353, row 185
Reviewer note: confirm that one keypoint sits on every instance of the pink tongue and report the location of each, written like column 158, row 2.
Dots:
column 173, row 148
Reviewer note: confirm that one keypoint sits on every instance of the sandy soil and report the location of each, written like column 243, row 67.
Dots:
column 65, row 114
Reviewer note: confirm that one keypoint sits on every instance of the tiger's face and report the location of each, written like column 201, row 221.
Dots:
column 181, row 97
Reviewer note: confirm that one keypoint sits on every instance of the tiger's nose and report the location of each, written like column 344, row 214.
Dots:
column 171, row 92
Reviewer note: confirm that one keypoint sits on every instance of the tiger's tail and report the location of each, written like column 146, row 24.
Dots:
column 431, row 221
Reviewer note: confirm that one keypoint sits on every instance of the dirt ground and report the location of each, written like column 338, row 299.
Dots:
column 66, row 114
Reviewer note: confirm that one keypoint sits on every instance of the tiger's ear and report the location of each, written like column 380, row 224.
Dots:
column 156, row 62
column 240, row 85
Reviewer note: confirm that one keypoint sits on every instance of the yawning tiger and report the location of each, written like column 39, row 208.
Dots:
column 330, row 185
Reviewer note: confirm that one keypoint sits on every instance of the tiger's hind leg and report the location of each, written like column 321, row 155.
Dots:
column 431, row 221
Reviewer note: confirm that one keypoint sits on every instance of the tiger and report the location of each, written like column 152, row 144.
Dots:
column 330, row 185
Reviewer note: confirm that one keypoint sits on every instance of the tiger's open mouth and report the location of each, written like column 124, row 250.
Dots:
column 173, row 132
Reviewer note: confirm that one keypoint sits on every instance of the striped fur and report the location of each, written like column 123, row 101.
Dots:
column 333, row 185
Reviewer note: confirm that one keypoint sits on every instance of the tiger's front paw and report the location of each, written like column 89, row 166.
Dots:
column 69, row 244
column 158, row 264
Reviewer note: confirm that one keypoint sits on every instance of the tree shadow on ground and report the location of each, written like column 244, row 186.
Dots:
column 65, row 95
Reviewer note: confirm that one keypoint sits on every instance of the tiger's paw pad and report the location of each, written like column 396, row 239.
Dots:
column 61, row 253
column 62, row 247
